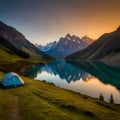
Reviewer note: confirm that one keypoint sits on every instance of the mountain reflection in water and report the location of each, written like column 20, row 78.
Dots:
column 106, row 74
column 90, row 78
column 60, row 67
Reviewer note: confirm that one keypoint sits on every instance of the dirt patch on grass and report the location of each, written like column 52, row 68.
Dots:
column 16, row 113
column 70, row 107
column 88, row 113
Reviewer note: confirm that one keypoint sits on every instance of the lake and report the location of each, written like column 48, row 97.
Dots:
column 88, row 78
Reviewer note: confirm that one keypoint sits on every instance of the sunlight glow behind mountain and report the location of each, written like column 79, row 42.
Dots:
column 42, row 21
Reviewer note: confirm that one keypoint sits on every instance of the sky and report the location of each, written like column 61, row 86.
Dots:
column 44, row 21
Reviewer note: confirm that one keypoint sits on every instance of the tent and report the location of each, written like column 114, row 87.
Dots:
column 11, row 80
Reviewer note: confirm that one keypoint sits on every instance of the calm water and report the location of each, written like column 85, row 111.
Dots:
column 86, row 78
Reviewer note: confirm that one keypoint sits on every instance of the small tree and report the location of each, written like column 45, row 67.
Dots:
column 111, row 100
column 101, row 97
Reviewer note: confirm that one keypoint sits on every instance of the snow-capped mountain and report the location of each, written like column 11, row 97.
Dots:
column 65, row 46
column 106, row 48
column 47, row 46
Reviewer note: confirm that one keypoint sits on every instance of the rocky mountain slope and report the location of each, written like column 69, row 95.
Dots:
column 18, row 40
column 107, row 47
column 65, row 46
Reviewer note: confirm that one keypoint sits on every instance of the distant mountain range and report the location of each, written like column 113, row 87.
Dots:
column 106, row 48
column 65, row 46
column 15, row 41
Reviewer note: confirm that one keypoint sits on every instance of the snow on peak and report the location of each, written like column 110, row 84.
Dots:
column 69, row 38
column 74, row 40
column 65, row 46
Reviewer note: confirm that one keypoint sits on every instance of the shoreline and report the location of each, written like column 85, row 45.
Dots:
column 41, row 100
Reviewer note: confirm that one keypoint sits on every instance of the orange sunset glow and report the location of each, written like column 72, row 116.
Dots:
column 47, row 20
column 59, row 59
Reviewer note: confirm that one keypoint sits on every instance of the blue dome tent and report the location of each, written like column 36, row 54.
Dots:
column 11, row 80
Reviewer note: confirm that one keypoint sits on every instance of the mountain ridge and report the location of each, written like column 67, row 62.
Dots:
column 19, row 41
column 106, row 45
column 11, row 49
column 65, row 46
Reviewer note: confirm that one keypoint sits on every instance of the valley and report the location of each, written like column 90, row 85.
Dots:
column 47, row 98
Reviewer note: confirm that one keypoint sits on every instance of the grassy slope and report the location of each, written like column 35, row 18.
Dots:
column 32, row 54
column 7, row 58
column 42, row 101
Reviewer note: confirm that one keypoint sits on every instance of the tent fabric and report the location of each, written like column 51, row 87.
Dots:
column 11, row 80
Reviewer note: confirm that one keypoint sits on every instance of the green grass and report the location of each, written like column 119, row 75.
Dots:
column 14, row 63
column 7, row 58
column 39, row 100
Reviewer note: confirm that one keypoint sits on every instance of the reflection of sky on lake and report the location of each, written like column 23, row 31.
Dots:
column 93, row 87
column 74, row 77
